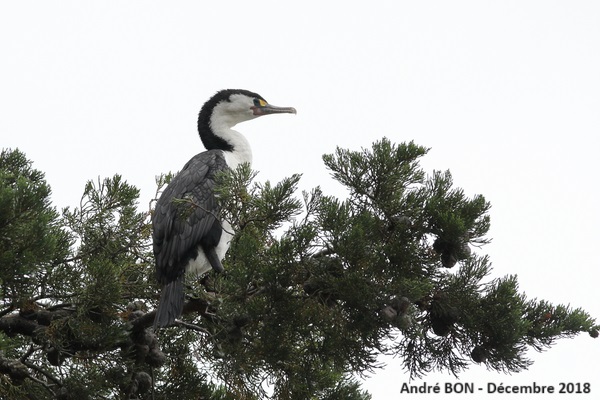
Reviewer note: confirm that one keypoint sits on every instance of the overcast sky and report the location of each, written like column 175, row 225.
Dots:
column 506, row 94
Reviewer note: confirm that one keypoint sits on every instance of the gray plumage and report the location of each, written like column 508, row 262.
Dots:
column 186, row 221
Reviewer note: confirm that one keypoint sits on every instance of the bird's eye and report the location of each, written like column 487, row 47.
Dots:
column 260, row 103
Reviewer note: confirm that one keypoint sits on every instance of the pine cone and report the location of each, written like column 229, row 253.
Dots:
column 479, row 354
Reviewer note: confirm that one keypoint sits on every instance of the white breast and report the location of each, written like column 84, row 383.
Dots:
column 200, row 264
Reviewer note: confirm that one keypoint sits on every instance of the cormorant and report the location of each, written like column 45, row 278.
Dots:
column 188, row 233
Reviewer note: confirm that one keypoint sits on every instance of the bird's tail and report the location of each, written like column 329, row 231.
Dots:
column 171, row 303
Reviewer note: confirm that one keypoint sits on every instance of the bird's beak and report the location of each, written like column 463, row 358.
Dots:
column 269, row 109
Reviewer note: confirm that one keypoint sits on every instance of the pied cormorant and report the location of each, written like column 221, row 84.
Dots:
column 188, row 234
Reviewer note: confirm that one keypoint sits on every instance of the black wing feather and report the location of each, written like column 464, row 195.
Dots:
column 185, row 217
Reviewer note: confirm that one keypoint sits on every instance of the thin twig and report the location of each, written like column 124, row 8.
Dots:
column 43, row 372
column 191, row 326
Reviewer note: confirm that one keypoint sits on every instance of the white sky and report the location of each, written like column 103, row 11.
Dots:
column 506, row 93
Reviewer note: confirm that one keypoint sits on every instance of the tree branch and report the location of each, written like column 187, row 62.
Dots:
column 199, row 306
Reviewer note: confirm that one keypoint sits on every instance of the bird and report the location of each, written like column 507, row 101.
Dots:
column 189, row 236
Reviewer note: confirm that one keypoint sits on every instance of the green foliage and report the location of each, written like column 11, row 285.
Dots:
column 315, row 288
column 32, row 241
column 111, row 260
column 345, row 390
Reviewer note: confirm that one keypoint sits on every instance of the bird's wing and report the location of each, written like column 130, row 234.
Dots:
column 186, row 215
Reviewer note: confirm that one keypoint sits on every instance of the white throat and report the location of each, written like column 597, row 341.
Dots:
column 221, row 123
column 241, row 153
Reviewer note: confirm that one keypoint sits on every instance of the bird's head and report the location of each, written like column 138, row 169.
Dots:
column 229, row 107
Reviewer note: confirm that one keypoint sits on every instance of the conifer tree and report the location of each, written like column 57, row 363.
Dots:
column 315, row 288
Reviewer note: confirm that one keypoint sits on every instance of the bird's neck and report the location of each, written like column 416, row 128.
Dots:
column 240, row 151
column 219, row 135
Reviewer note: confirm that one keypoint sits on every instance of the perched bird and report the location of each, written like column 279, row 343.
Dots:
column 188, row 233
